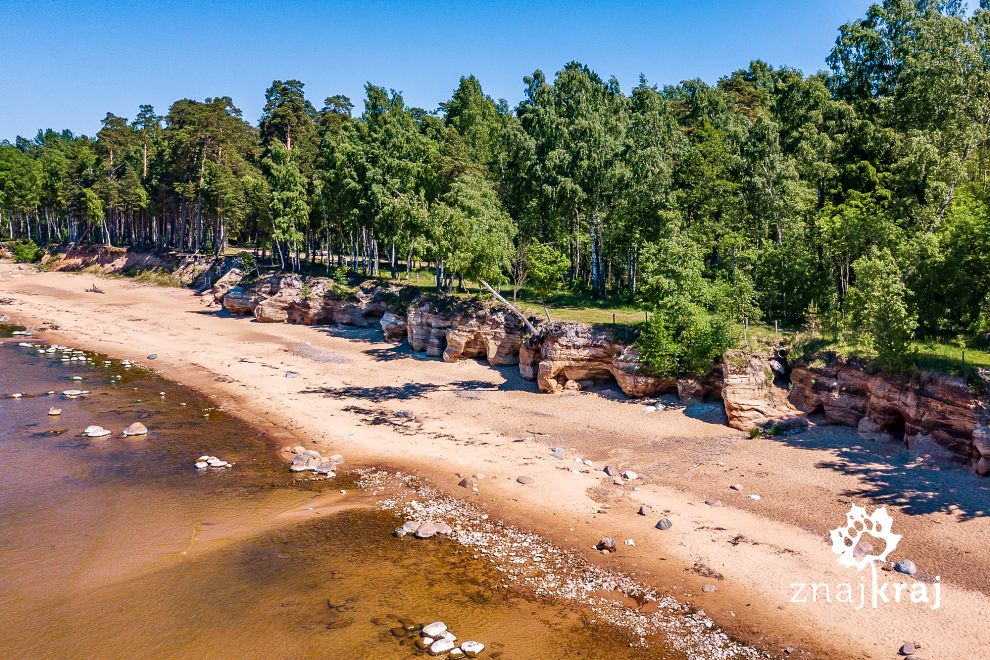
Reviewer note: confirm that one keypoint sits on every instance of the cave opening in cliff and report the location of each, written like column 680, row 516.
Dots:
column 896, row 426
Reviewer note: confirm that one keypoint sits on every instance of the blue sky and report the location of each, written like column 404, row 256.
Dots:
column 66, row 64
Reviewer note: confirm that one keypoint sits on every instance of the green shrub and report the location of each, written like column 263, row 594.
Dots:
column 26, row 251
column 683, row 342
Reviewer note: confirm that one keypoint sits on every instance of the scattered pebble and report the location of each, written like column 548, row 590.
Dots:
column 54, row 412
column 630, row 543
column 737, row 487
column 664, row 524
column 645, row 510
column 907, row 648
column 709, row 588
column 524, row 480
column 95, row 431
column 754, row 497
column 713, row 502
column 906, row 566
column 630, row 475
column 606, row 544
column 612, row 471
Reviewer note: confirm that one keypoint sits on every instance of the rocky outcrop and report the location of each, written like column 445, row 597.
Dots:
column 456, row 330
column 928, row 412
column 215, row 294
column 244, row 299
column 393, row 326
column 751, row 398
column 288, row 298
column 575, row 356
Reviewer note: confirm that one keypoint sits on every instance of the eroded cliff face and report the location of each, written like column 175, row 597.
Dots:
column 751, row 396
column 931, row 413
column 574, row 356
column 464, row 330
column 189, row 270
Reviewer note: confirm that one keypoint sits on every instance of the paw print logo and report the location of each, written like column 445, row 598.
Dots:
column 846, row 539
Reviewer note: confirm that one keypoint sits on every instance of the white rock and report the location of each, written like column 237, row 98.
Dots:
column 456, row 653
column 435, row 629
column 630, row 475
column 95, row 431
column 203, row 458
column 441, row 646
column 630, row 543
column 472, row 649
column 72, row 393
column 755, row 498
column 202, row 465
column 16, row 395
column 54, row 412
column 588, row 463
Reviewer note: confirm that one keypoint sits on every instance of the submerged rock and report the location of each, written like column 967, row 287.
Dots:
column 137, row 428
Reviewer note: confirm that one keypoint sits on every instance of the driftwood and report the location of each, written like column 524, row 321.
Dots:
column 505, row 302
column 95, row 289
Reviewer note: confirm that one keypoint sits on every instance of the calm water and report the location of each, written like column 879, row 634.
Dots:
column 119, row 548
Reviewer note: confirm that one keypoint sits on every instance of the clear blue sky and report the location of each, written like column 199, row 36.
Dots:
column 66, row 64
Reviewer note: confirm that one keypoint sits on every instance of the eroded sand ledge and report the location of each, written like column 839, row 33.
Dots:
column 467, row 417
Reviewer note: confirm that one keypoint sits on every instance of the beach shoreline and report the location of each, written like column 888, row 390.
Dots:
column 467, row 418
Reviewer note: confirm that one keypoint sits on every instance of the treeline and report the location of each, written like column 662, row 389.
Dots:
column 855, row 197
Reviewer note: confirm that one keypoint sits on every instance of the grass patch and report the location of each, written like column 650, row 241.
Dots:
column 157, row 277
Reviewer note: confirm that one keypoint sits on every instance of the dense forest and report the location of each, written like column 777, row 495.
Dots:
column 855, row 197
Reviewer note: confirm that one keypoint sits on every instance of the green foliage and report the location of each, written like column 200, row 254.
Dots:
column 879, row 307
column 545, row 268
column 26, row 251
column 684, row 341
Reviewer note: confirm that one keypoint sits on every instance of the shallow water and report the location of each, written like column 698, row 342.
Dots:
column 118, row 547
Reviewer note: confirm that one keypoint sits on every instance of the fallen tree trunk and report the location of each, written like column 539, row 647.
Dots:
column 512, row 307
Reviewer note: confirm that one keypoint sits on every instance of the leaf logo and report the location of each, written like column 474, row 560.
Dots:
column 845, row 539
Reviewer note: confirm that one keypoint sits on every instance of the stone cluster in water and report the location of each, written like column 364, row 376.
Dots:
column 437, row 640
column 310, row 460
column 534, row 565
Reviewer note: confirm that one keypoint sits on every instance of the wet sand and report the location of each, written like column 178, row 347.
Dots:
column 468, row 417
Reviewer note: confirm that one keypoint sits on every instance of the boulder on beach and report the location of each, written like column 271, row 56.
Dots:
column 426, row 530
column 137, row 428
column 472, row 649
column 906, row 566
column 607, row 543
column 435, row 629
column 441, row 646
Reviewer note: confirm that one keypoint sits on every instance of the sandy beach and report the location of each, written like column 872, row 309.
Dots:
column 338, row 390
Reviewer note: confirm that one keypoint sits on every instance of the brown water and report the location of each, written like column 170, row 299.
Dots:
column 119, row 548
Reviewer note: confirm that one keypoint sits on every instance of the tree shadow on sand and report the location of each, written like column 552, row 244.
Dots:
column 385, row 393
column 891, row 474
